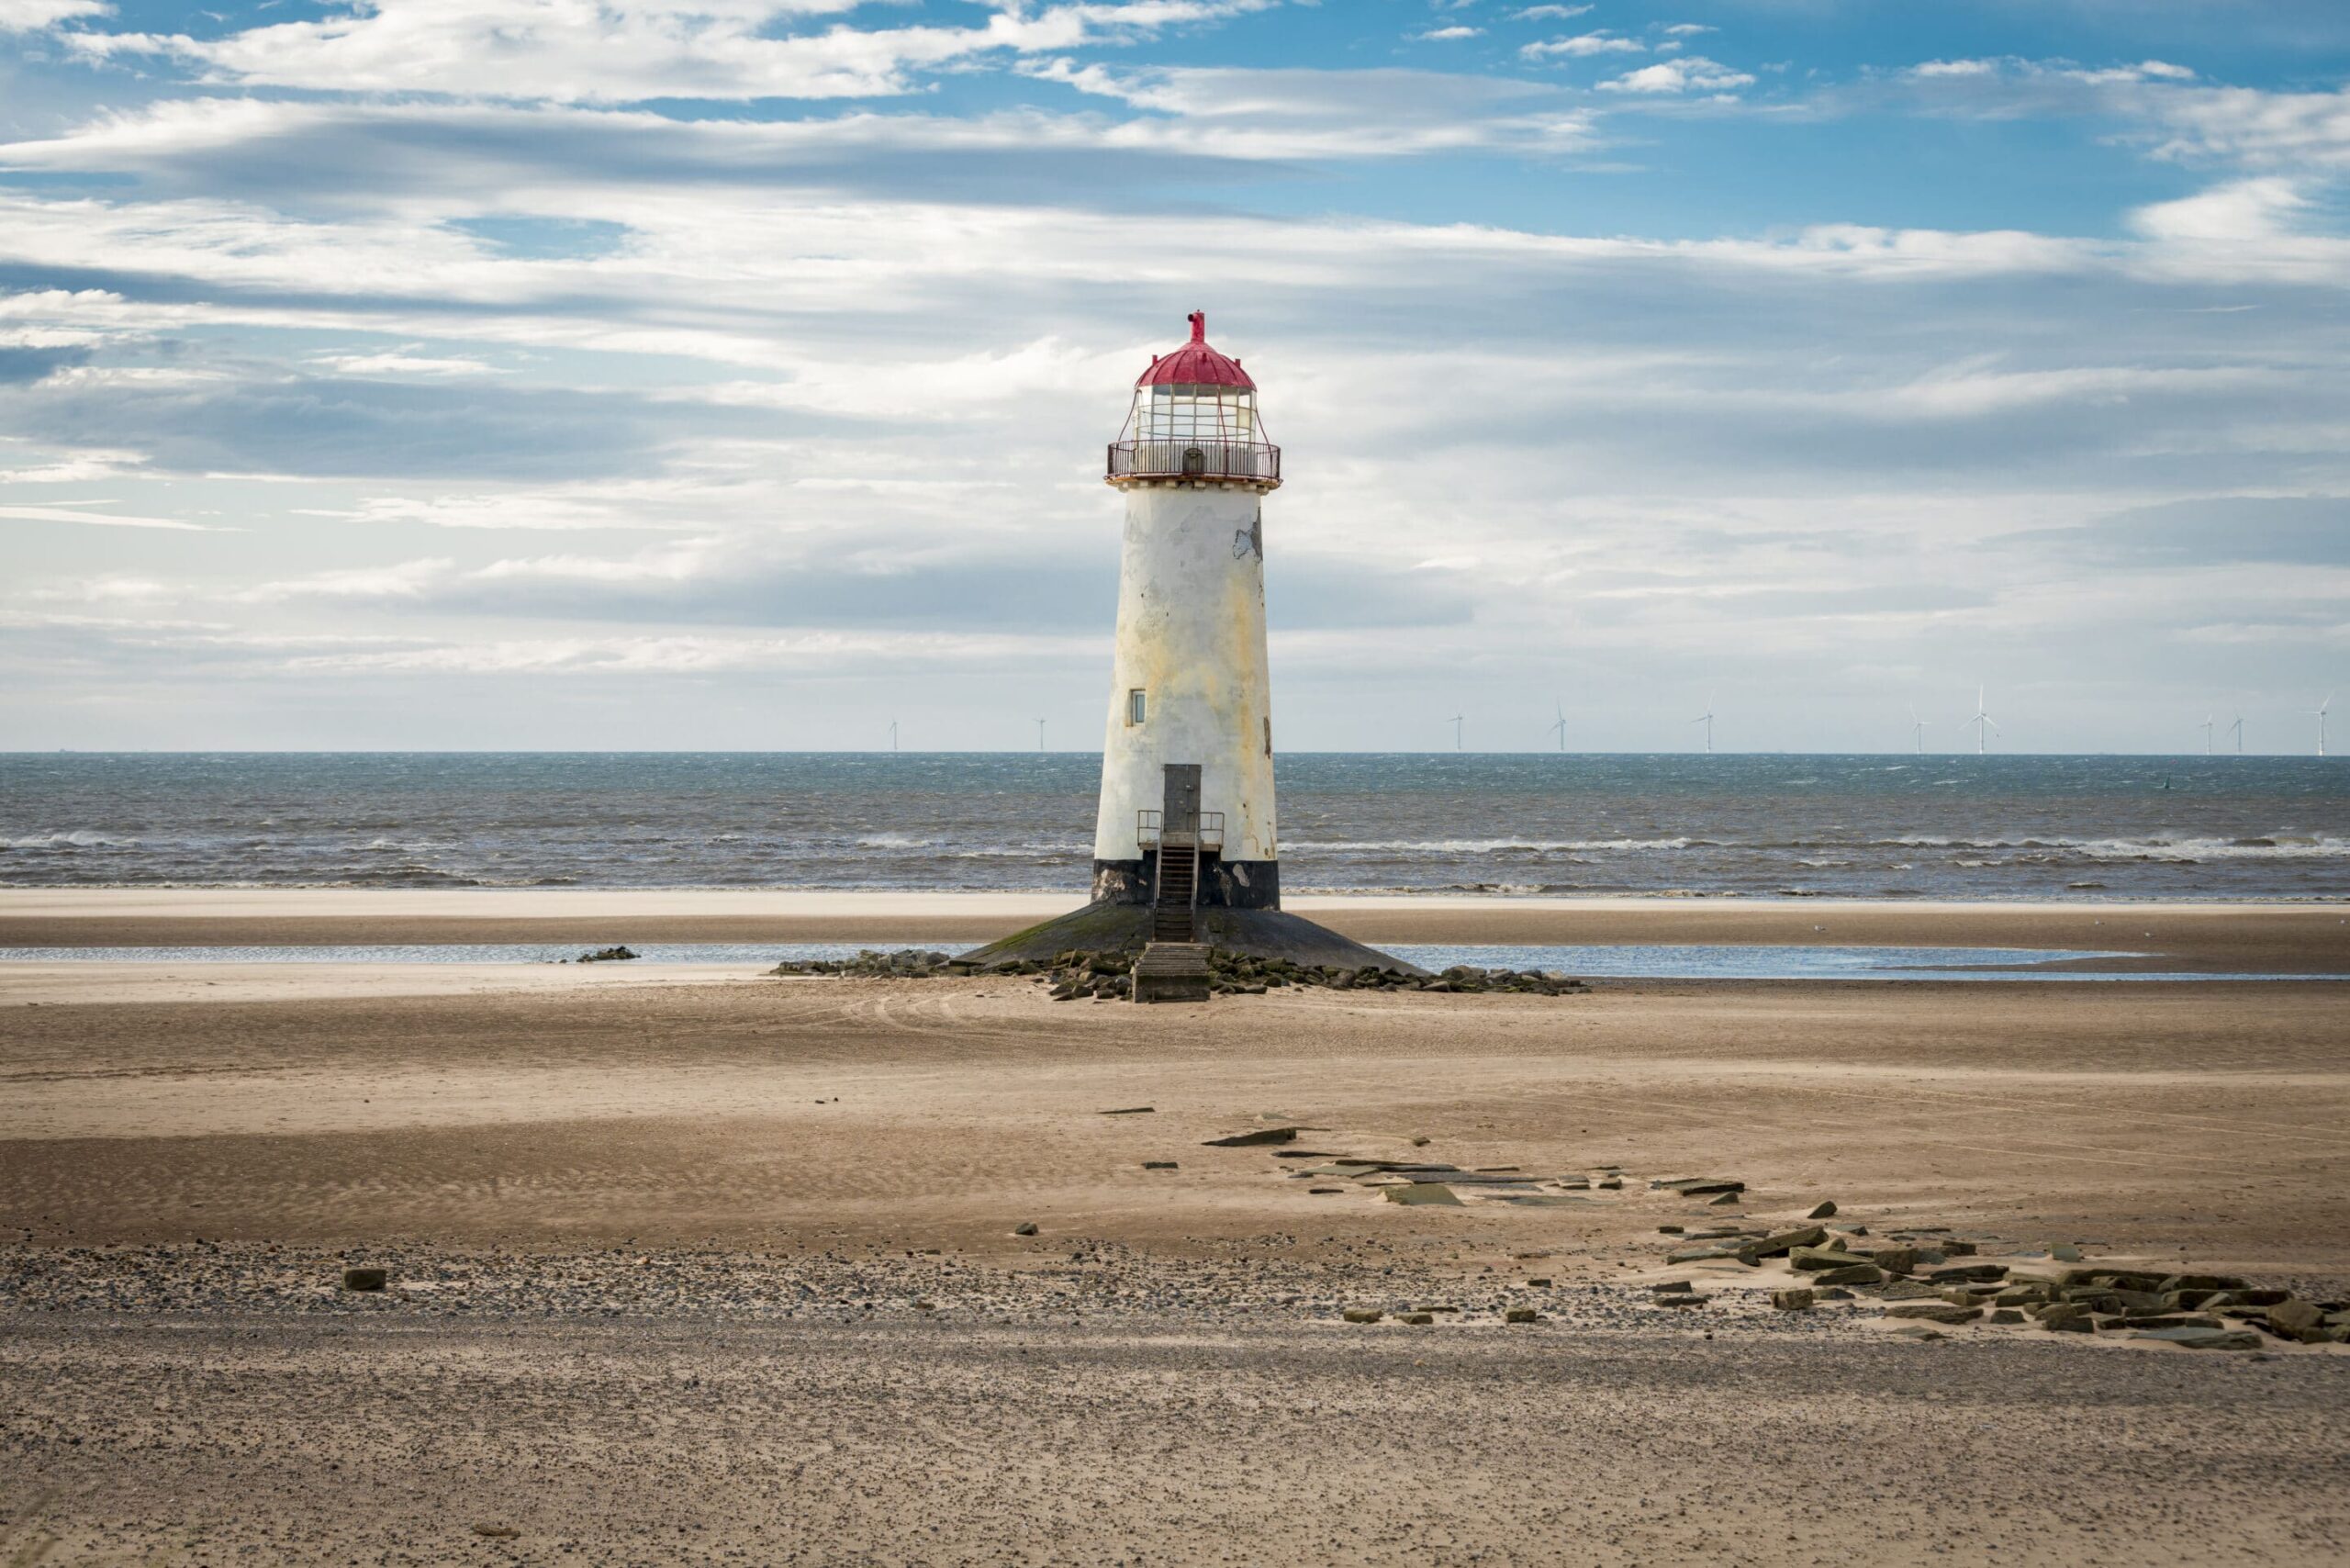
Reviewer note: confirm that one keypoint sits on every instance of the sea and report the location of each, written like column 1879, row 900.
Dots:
column 1874, row 826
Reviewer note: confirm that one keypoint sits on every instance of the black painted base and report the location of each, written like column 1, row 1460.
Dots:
column 1223, row 884
column 1109, row 927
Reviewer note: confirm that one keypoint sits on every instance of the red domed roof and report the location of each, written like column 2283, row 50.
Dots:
column 1195, row 364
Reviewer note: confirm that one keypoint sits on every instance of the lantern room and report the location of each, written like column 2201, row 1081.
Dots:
column 1194, row 420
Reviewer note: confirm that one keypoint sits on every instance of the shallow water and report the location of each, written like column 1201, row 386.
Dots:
column 1625, row 962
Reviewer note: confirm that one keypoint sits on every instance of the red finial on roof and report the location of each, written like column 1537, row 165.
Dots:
column 1195, row 364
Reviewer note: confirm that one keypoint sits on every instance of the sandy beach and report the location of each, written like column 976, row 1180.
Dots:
column 688, row 1262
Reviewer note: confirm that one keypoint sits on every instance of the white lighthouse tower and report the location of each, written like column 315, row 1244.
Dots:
column 1186, row 816
column 1185, row 857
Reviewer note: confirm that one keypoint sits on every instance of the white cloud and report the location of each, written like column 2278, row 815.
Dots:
column 632, row 51
column 1549, row 13
column 1689, row 29
column 32, row 16
column 1693, row 74
column 406, row 580
column 1448, row 35
column 2290, row 130
column 1934, row 68
column 1583, row 44
column 400, row 363
column 72, row 511
column 2241, row 211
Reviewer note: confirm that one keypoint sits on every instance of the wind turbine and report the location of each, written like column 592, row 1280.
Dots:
column 1918, row 725
column 1562, row 725
column 2318, row 711
column 2237, row 730
column 1980, row 720
column 893, row 735
column 1706, row 718
column 2207, row 733
column 1456, row 722
column 1040, row 735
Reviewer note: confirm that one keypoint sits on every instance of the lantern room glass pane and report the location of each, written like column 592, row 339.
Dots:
column 1195, row 413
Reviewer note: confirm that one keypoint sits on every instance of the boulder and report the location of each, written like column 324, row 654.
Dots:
column 1363, row 1315
column 363, row 1279
column 1416, row 1319
column 2298, row 1319
column 2007, row 1315
column 1895, row 1259
column 1793, row 1301
column 1825, row 1211
column 1962, row 1272
column 1026, row 1227
column 1521, row 1315
column 1698, row 1186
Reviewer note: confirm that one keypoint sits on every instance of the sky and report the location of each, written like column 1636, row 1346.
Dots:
column 734, row 374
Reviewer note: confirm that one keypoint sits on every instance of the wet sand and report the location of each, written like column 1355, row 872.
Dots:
column 693, row 1263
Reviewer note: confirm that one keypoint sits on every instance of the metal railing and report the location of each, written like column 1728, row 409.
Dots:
column 1257, row 462
column 1204, row 829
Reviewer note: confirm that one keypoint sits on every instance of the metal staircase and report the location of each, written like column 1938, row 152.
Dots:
column 1173, row 909
column 1174, row 963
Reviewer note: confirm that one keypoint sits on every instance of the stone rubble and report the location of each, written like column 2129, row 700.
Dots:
column 1077, row 975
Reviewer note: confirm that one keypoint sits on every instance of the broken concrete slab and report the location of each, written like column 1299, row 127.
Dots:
column 2203, row 1339
column 1250, row 1140
column 1858, row 1275
column 1935, row 1311
column 1423, row 1193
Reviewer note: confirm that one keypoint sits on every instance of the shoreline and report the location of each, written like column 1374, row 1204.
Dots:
column 2219, row 936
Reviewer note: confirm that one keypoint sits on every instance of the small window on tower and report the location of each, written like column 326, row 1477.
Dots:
column 1269, row 736
column 1135, row 706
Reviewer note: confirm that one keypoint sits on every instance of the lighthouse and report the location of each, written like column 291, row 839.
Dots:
column 1186, row 856
column 1187, row 753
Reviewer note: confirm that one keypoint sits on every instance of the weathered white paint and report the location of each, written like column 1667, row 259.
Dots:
column 1191, row 634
